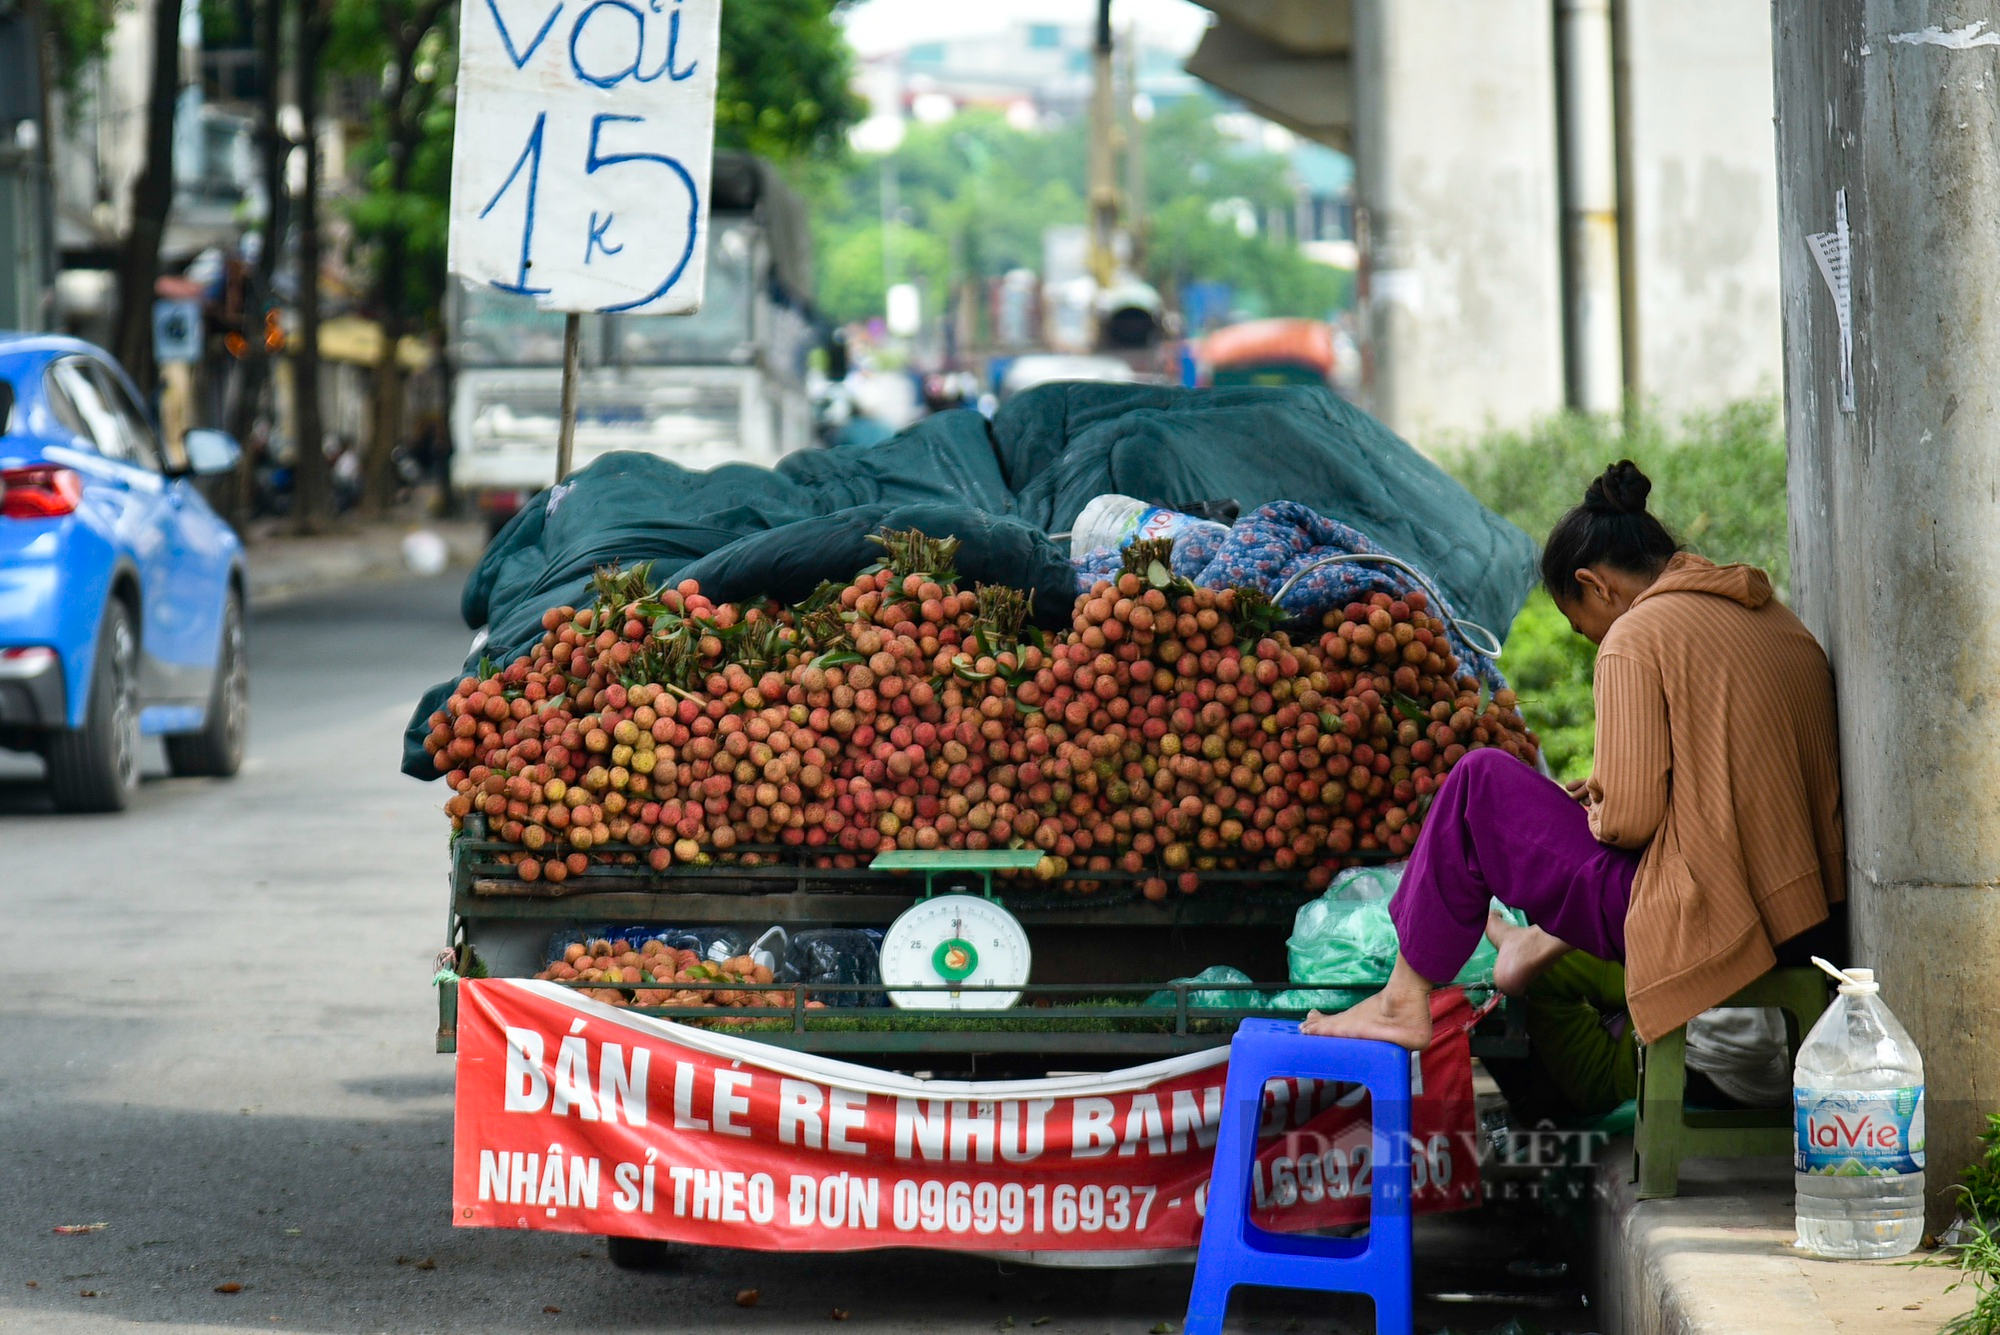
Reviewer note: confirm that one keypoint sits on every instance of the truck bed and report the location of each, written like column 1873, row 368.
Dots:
column 1099, row 952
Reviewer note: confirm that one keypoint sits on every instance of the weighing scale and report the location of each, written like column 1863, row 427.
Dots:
column 944, row 941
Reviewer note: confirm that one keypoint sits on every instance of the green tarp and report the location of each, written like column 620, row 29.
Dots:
column 1000, row 487
column 1062, row 445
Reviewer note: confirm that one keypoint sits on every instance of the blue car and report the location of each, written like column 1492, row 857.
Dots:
column 121, row 591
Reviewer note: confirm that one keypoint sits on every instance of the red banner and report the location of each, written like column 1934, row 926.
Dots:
column 577, row 1117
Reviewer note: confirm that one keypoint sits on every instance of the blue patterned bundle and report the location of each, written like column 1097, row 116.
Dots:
column 1267, row 547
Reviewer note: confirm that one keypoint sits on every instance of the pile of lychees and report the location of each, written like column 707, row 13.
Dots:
column 1171, row 731
column 672, row 977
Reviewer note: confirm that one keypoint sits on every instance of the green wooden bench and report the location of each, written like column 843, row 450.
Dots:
column 1666, row 1131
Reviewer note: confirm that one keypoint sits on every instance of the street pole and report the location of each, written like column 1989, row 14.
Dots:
column 1135, row 154
column 1103, row 154
column 566, row 429
column 1889, row 175
column 891, row 206
column 1588, row 108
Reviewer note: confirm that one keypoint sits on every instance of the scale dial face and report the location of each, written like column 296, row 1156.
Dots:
column 955, row 939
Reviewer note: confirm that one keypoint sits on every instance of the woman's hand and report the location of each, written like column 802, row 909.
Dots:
column 1580, row 790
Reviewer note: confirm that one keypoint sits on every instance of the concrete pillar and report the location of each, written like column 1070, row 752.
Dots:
column 1891, row 105
column 1589, row 118
column 1455, row 159
column 1700, row 208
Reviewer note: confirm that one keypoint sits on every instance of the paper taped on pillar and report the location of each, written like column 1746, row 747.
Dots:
column 580, row 164
column 176, row 330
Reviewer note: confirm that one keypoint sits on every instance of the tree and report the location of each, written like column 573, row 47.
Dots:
column 972, row 198
column 152, row 197
column 782, row 85
column 402, row 218
column 76, row 33
column 312, row 481
column 851, row 269
column 43, row 34
column 1199, row 182
column 975, row 194
column 1197, row 240
column 259, row 297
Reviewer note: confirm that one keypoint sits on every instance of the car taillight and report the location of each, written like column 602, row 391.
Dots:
column 16, row 664
column 41, row 492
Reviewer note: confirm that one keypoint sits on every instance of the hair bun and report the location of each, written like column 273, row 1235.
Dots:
column 1620, row 490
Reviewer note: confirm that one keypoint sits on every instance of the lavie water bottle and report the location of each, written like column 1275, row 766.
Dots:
column 1858, row 1139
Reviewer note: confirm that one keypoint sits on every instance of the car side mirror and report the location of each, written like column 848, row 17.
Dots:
column 210, row 452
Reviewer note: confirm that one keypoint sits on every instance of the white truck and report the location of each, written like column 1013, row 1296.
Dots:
column 725, row 385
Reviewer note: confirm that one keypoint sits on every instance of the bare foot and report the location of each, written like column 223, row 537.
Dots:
column 1524, row 953
column 1393, row 1015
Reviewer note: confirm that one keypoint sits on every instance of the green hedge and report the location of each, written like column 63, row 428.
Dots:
column 1718, row 483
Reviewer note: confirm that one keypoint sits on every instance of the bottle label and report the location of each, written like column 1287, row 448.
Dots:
column 1858, row 1132
column 1154, row 523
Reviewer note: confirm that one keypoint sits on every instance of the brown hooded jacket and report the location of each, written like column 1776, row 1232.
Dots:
column 1716, row 754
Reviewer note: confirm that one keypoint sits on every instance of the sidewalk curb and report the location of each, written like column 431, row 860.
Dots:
column 282, row 569
column 1718, row 1260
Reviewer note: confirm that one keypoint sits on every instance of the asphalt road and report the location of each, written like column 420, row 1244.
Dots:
column 216, row 1039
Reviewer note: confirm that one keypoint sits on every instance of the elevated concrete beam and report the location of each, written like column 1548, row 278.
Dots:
column 1309, row 91
column 1302, row 27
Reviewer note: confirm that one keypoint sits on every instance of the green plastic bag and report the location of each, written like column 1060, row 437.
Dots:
column 1326, row 1000
column 1247, row 999
column 1343, row 944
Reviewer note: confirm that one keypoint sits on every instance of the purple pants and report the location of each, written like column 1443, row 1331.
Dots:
column 1498, row 830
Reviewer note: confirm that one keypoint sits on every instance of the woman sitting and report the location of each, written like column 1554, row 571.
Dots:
column 1709, row 831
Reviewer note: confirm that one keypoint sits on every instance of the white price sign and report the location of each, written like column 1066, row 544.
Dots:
column 581, row 160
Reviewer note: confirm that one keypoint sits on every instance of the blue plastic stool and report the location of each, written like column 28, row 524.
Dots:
column 1235, row 1251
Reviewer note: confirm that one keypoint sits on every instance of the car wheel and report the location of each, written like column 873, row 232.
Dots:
column 96, row 767
column 217, row 750
column 644, row 1254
